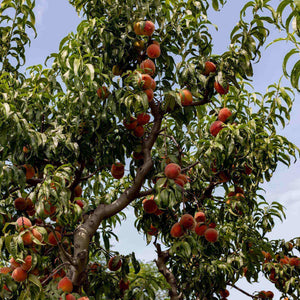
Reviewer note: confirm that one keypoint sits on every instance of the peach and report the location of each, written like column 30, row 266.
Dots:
column 19, row 274
column 179, row 181
column 139, row 45
column 147, row 81
column 27, row 263
column 51, row 211
column 220, row 89
column 153, row 84
column 139, row 131
column 79, row 203
column 117, row 170
column 137, row 28
column 177, row 230
column 216, row 127
column 114, row 263
column 123, row 285
column 59, row 274
column 269, row 294
column 200, row 229
column 224, row 114
column 149, row 205
column 212, row 225
column 183, row 177
column 143, row 119
column 23, row 223
column 148, row 67
column 5, row 270
column 131, row 124
column 103, row 92
column 78, row 191
column 200, row 216
column 186, row 97
column 51, row 238
column 187, row 221
column 137, row 155
column 83, row 298
column 20, row 204
column 37, row 234
column 30, row 172
column 224, row 293
column 27, row 238
column 150, row 94
column 248, row 170
column 13, row 263
column 172, row 170
column 153, row 51
column 294, row 261
column 153, row 230
column 29, row 204
column 211, row 235
column 116, row 70
column 147, row 28
column 65, row 284
column 210, row 67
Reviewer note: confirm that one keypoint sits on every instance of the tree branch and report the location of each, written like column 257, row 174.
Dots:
column 162, row 258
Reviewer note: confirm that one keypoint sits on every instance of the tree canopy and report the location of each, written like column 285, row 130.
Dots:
column 136, row 110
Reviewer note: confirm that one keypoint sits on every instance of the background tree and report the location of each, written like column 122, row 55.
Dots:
column 64, row 130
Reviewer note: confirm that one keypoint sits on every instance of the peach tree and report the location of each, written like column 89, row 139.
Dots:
column 136, row 110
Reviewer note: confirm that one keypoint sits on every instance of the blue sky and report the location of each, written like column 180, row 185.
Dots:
column 56, row 18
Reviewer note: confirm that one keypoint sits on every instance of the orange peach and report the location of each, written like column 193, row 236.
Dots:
column 186, row 97
column 51, row 238
column 224, row 114
column 177, row 230
column 30, row 172
column 131, row 124
column 172, row 170
column 19, row 274
column 210, row 67
column 65, row 284
column 78, row 191
column 200, row 216
column 187, row 221
column 211, row 235
column 150, row 94
column 27, row 238
column 220, row 89
column 148, row 67
column 23, row 223
column 147, row 81
column 27, row 263
column 153, row 51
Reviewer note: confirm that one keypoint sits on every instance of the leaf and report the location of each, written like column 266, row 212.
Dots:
column 76, row 65
column 295, row 74
column 34, row 279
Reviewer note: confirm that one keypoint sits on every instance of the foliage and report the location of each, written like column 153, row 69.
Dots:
column 66, row 123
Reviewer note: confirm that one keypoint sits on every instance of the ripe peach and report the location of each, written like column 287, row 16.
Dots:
column 147, row 81
column 27, row 263
column 216, row 127
column 210, row 67
column 153, row 84
column 27, row 238
column 65, row 284
column 19, row 274
column 103, row 92
column 143, row 119
column 223, row 176
column 69, row 297
column 200, row 229
column 269, row 294
column 153, row 51
column 30, row 172
column 179, row 181
column 248, row 170
column 211, row 235
column 61, row 273
column 186, row 97
column 177, row 230
column 139, row 131
column 224, row 114
column 172, row 170
column 29, row 205
column 123, row 285
column 183, row 177
column 37, row 234
column 51, row 238
column 83, row 298
column 224, row 293
column 187, row 221
column 5, row 270
column 117, row 170
column 150, row 94
column 14, row 264
column 20, row 204
column 153, row 230
column 114, row 263
column 131, row 124
column 23, row 223
column 220, row 89
column 200, row 216
column 148, row 67
column 25, row 149
column 51, row 211
column 78, row 191
column 294, row 261
column 149, row 205
column 79, row 203
column 137, row 28
column 212, row 225
column 147, row 28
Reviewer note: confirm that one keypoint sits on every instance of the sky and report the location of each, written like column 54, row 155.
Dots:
column 56, row 18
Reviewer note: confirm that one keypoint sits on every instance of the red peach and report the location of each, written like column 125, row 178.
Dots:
column 13, row 263
column 5, row 270
column 30, row 172
column 153, row 51
column 187, row 221
column 27, row 263
column 186, row 97
column 20, row 204
column 211, row 235
column 210, row 67
column 153, row 230
column 147, row 28
column 51, row 238
column 148, row 67
column 79, row 203
column 123, row 285
column 177, row 230
column 131, row 125
column 114, row 263
column 78, row 191
column 216, row 127
column 27, row 238
column 200, row 216
column 103, row 92
column 200, row 229
column 143, row 119
column 224, row 293
column 149, row 205
column 150, row 94
column 172, row 170
column 117, row 170
column 220, row 89
column 19, row 274
column 37, row 234
column 147, row 81
column 139, row 131
column 23, row 223
column 65, row 284
column 224, row 114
